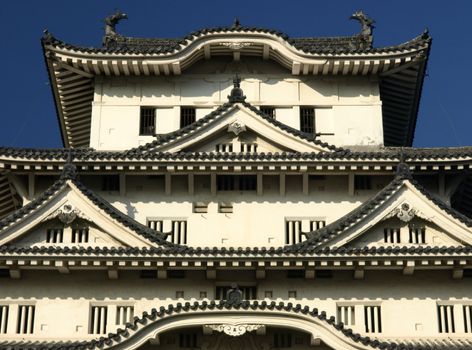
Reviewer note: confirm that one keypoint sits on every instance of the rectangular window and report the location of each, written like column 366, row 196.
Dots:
column 373, row 319
column 293, row 231
column 269, row 111
column 200, row 208
column 124, row 314
column 225, row 182
column 249, row 292
column 25, row 323
column 4, row 309
column 467, row 311
column 98, row 320
column 317, row 224
column 282, row 340
column 178, row 234
column 292, row 293
column 391, row 235
column 307, row 120
column 188, row 340
column 247, row 182
column 157, row 225
column 110, row 183
column 80, row 235
column 225, row 208
column 417, row 235
column 147, row 121
column 248, row 147
column 346, row 315
column 362, row 182
column 55, row 235
column 446, row 319
column 187, row 116
column 224, row 147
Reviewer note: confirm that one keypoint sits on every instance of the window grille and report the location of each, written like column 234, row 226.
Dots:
column 317, row 224
column 98, row 320
column 282, row 340
column 249, row 292
column 157, row 225
column 147, row 122
column 200, row 207
column 248, row 147
column 446, row 319
column 467, row 311
column 124, row 314
column 392, row 235
column 55, row 235
column 373, row 319
column 346, row 315
column 80, row 235
column 224, row 147
column 4, row 309
column 293, row 230
column 25, row 323
column 417, row 235
column 187, row 116
column 179, row 232
column 269, row 111
column 225, row 182
column 188, row 340
column 307, row 120
column 111, row 183
column 225, row 208
column 362, row 182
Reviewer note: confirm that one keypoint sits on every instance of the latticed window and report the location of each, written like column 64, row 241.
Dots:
column 178, row 229
column 55, row 235
column 391, row 235
column 124, row 314
column 200, row 207
column 270, row 111
column 98, row 320
column 248, row 147
column 25, row 321
column 225, row 208
column 446, row 319
column 147, row 122
column 224, row 147
column 293, row 229
column 417, row 235
column 187, row 116
column 346, row 315
column 317, row 224
column 307, row 120
column 372, row 319
column 4, row 310
column 249, row 292
column 80, row 235
column 467, row 310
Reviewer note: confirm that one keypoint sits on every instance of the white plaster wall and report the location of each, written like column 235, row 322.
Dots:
column 408, row 303
column 348, row 107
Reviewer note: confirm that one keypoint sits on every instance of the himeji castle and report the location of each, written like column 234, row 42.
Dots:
column 236, row 189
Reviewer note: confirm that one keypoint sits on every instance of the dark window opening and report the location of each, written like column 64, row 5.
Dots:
column 147, row 122
column 362, row 182
column 296, row 274
column 392, row 235
column 249, row 292
column 55, row 235
column 187, row 116
column 417, row 235
column 323, row 273
column 225, row 182
column 176, row 274
column 269, row 111
column 282, row 340
column 80, row 235
column 307, row 120
column 247, row 182
column 111, row 183
column 187, row 340
column 148, row 274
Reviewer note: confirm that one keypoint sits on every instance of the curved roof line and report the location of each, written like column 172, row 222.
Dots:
column 142, row 230
column 220, row 111
column 149, row 319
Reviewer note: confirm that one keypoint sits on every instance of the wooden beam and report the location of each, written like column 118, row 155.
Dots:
column 122, row 184
column 305, row 183
column 213, row 184
column 282, row 184
column 351, row 184
column 260, row 184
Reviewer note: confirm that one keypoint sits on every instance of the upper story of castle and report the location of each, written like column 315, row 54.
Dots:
column 339, row 90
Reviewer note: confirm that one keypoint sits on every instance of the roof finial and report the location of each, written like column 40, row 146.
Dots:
column 403, row 170
column 69, row 171
column 237, row 94
column 110, row 24
column 236, row 23
column 367, row 23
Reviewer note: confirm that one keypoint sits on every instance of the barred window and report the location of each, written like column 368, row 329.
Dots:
column 98, row 320
column 225, row 208
column 200, row 207
column 446, row 319
column 249, row 292
column 80, row 235
column 392, row 235
column 307, row 120
column 177, row 232
column 55, row 235
column 293, row 229
column 269, row 111
column 224, row 147
column 147, row 122
column 417, row 235
column 346, row 315
column 247, row 182
column 467, row 311
column 187, row 116
column 373, row 319
column 25, row 322
column 4, row 309
column 124, row 314
column 248, row 147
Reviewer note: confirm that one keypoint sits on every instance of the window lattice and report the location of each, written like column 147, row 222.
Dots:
column 417, row 235
column 391, row 235
column 446, row 319
column 467, row 311
column 55, row 235
column 80, row 235
column 269, row 111
column 307, row 120
column 98, row 320
column 224, row 147
column 373, row 319
column 362, row 182
column 4, row 310
column 346, row 315
column 188, row 340
column 294, row 233
column 124, row 314
column 248, row 147
column 147, row 122
column 187, row 116
column 282, row 340
column 177, row 231
column 25, row 322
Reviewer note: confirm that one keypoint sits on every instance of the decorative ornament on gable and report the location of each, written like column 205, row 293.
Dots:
column 237, row 94
column 234, row 330
column 67, row 214
column 405, row 212
column 237, row 127
column 234, row 45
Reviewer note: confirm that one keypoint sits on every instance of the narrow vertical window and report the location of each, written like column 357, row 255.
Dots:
column 467, row 311
column 307, row 120
column 392, row 235
column 25, row 322
column 80, row 235
column 124, row 314
column 417, row 235
column 147, row 121
column 293, row 231
column 346, row 315
column 373, row 319
column 187, row 116
column 98, row 320
column 4, row 310
column 55, row 235
column 269, row 111
column 446, row 319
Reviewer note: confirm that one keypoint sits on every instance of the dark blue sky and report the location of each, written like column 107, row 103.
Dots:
column 29, row 118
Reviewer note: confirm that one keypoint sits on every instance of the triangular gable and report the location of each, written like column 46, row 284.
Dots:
column 236, row 118
column 403, row 199
column 67, row 199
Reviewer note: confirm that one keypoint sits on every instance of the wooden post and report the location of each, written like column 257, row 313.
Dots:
column 168, row 184
column 282, row 184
